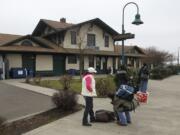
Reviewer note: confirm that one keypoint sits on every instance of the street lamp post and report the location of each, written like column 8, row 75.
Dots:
column 137, row 21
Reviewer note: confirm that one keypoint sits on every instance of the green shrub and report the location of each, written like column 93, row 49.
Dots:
column 65, row 100
column 174, row 69
column 163, row 72
column 104, row 86
column 66, row 82
column 156, row 73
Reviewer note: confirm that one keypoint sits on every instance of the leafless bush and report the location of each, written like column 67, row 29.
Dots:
column 66, row 82
column 65, row 100
column 37, row 79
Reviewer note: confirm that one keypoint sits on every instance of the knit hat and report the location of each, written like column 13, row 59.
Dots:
column 91, row 70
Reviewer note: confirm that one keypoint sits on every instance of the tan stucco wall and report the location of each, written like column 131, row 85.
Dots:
column 86, row 62
column 72, row 66
column 44, row 62
column 15, row 60
column 134, row 63
column 110, row 62
column 1, row 59
column 83, row 34
column 116, row 63
column 128, row 60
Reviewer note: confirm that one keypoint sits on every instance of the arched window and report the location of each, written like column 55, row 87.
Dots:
column 26, row 43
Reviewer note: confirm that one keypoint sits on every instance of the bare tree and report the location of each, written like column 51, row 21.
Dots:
column 82, row 43
column 157, row 57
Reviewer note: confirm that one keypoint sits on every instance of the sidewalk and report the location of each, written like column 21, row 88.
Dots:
column 159, row 117
column 20, row 83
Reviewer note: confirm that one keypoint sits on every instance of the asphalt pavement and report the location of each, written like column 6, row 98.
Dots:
column 16, row 102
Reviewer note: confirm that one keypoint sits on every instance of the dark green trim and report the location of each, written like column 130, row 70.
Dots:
column 59, row 63
column 29, row 61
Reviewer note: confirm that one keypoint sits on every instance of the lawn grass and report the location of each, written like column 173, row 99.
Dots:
column 55, row 84
column 75, row 84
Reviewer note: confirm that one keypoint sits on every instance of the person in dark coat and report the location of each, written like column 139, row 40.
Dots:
column 121, row 77
column 143, row 78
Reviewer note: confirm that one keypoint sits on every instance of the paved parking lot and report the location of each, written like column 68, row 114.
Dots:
column 16, row 102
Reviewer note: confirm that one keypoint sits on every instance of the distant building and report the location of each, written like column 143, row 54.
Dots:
column 54, row 47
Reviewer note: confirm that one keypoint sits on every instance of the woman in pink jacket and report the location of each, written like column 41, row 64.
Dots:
column 88, row 91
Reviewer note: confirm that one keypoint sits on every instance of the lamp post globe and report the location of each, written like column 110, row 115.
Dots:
column 137, row 20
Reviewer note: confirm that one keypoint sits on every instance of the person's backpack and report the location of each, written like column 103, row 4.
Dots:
column 104, row 116
column 125, row 92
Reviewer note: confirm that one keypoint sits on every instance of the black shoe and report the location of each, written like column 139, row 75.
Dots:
column 93, row 120
column 129, row 122
column 123, row 124
column 120, row 124
column 86, row 124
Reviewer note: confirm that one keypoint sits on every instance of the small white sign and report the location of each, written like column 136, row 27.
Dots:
column 20, row 72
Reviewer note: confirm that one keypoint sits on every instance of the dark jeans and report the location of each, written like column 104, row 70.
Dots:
column 88, row 110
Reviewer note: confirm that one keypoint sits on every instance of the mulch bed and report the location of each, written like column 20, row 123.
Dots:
column 30, row 123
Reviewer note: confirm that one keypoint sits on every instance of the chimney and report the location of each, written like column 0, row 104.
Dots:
column 63, row 20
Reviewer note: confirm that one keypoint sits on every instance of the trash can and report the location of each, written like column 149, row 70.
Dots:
column 71, row 72
column 17, row 73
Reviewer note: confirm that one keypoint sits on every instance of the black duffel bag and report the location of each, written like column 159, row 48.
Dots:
column 104, row 116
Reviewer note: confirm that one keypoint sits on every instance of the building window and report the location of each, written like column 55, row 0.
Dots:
column 26, row 43
column 91, row 40
column 106, row 41
column 73, row 37
column 72, row 59
column 91, row 61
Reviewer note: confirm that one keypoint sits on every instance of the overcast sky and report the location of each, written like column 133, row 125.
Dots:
column 161, row 18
